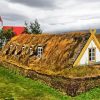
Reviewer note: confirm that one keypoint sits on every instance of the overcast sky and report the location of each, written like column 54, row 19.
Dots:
column 53, row 15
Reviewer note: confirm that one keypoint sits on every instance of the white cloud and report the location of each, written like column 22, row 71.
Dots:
column 64, row 15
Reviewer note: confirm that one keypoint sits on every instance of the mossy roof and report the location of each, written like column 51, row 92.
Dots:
column 59, row 50
column 98, row 37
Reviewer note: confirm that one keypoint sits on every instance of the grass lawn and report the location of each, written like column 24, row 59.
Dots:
column 16, row 87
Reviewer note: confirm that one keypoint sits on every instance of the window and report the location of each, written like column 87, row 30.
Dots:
column 39, row 51
column 31, row 51
column 92, row 55
column 11, row 45
column 23, row 47
column 4, row 42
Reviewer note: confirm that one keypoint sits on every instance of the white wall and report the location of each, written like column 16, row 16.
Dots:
column 84, row 59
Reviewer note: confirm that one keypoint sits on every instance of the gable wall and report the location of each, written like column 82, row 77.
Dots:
column 84, row 59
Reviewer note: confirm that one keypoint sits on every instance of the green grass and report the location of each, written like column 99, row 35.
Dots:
column 16, row 87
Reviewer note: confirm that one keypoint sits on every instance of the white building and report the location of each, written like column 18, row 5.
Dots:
column 90, row 54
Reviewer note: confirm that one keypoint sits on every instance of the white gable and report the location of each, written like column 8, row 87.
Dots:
column 85, row 58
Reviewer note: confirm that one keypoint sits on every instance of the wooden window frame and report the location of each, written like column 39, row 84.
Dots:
column 92, row 61
column 31, row 51
column 23, row 47
column 39, row 51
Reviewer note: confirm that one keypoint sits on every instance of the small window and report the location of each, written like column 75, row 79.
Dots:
column 39, row 51
column 3, row 44
column 30, row 48
column 31, row 51
column 92, row 55
column 23, row 47
column 11, row 45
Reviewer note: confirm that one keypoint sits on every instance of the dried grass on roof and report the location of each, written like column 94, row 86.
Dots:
column 60, row 51
column 98, row 37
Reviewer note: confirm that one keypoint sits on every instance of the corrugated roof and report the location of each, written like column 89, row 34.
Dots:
column 16, row 29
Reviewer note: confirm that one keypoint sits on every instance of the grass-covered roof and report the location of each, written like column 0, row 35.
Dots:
column 98, row 37
column 59, row 50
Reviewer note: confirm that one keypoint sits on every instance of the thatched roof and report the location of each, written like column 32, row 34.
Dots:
column 59, row 50
column 98, row 37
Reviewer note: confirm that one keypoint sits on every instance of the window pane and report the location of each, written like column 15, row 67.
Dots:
column 89, row 58
column 93, row 50
column 93, row 58
column 89, row 50
column 93, row 54
column 89, row 54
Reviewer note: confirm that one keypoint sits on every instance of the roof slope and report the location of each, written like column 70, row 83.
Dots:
column 98, row 37
column 60, row 50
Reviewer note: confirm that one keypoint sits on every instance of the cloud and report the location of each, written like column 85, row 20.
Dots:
column 47, row 4
column 14, row 17
column 88, row 1
column 10, row 16
column 53, row 15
